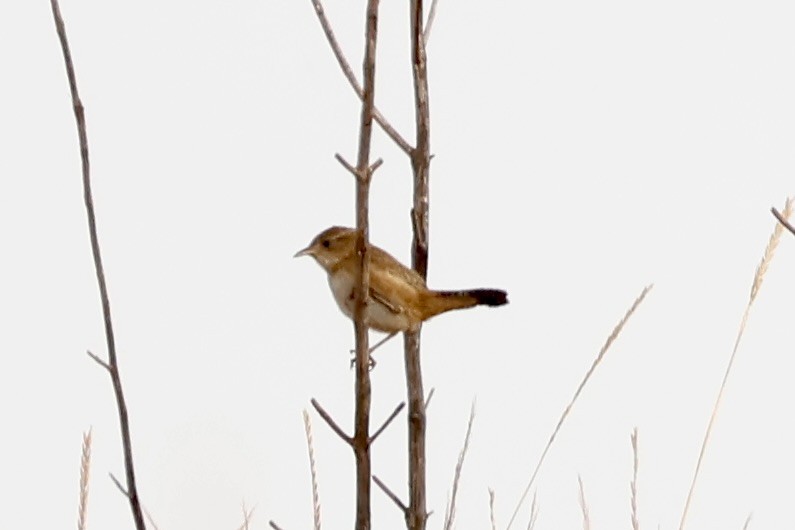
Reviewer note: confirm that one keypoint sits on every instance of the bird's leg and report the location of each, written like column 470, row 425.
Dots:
column 372, row 349
column 382, row 341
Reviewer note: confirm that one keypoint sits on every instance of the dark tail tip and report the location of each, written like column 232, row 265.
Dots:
column 492, row 297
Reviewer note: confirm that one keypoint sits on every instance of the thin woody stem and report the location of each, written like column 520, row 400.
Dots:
column 351, row 77
column 131, row 492
column 361, row 436
column 417, row 515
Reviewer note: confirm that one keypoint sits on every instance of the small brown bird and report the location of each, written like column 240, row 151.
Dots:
column 399, row 299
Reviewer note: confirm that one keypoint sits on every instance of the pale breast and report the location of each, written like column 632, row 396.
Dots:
column 377, row 316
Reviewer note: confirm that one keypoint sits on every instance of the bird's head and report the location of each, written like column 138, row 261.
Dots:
column 331, row 246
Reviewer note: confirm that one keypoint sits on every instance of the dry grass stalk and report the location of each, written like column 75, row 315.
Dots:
column 449, row 517
column 312, row 471
column 633, row 486
column 610, row 339
column 85, row 466
column 767, row 257
column 770, row 250
column 246, row 518
column 586, row 514
column 492, row 517
column 531, row 524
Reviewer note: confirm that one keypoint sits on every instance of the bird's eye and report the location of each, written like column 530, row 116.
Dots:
column 326, row 243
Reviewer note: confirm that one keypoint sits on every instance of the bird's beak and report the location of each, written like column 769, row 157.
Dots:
column 304, row 252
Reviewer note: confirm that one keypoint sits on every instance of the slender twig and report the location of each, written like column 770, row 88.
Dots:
column 784, row 221
column 351, row 77
column 391, row 494
column 85, row 467
column 426, row 35
column 428, row 399
column 312, row 471
column 586, row 514
column 118, row 485
column 274, row 525
column 610, row 339
column 386, row 423
column 355, row 172
column 113, row 367
column 330, row 421
column 449, row 518
column 99, row 361
column 347, row 165
column 770, row 251
column 748, row 521
column 633, row 486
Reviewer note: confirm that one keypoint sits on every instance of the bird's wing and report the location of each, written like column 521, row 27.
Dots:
column 384, row 301
column 391, row 284
column 383, row 261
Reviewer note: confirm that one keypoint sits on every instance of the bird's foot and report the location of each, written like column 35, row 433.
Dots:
column 371, row 361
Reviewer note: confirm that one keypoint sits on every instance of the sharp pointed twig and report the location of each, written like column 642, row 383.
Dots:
column 389, row 493
column 331, row 423
column 386, row 423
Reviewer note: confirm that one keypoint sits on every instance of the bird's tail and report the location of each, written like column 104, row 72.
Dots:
column 442, row 301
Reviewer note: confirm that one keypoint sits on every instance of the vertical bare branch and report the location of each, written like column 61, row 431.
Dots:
column 610, row 339
column 421, row 155
column 361, row 437
column 131, row 490
column 420, row 163
column 770, row 251
column 312, row 471
column 85, row 466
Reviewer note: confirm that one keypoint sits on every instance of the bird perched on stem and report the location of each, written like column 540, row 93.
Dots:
column 399, row 299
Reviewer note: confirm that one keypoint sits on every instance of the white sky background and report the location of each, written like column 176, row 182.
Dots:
column 582, row 151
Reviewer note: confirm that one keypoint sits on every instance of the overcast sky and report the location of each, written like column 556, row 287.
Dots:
column 582, row 151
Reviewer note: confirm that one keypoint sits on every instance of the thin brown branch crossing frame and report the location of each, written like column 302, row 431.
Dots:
column 112, row 366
